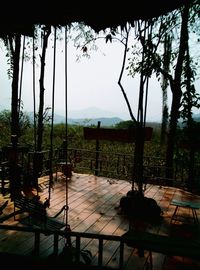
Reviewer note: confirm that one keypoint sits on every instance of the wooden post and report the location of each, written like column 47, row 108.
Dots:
column 55, row 244
column 37, row 244
column 96, row 172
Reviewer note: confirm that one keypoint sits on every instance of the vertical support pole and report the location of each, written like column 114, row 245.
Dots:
column 96, row 171
column 55, row 245
column 121, row 255
column 100, row 258
column 78, row 248
column 37, row 244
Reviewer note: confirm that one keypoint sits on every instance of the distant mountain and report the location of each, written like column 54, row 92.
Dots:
column 59, row 119
column 94, row 112
column 90, row 116
column 104, row 121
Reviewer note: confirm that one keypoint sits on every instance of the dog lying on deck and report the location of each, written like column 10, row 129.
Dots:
column 137, row 206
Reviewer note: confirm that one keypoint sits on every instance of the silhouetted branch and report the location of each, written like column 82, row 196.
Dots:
column 120, row 77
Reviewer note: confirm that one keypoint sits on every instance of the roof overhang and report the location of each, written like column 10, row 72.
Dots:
column 98, row 15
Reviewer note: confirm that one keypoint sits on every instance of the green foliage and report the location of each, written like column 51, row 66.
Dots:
column 84, row 40
column 74, row 135
column 125, row 124
column 5, row 120
column 26, row 130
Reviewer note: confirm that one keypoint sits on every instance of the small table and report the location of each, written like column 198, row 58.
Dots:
column 186, row 204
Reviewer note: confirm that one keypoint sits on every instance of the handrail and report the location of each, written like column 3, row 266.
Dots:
column 119, row 165
column 139, row 239
column 78, row 235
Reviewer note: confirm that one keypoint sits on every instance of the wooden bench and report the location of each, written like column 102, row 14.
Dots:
column 170, row 246
column 186, row 204
column 37, row 212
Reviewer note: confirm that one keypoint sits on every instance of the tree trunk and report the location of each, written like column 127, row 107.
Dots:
column 14, row 99
column 40, row 130
column 176, row 93
column 176, row 98
column 165, row 114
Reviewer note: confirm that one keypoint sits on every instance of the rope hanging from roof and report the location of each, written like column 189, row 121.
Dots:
column 66, row 109
column 52, row 118
column 21, row 75
column 34, row 103
column 66, row 135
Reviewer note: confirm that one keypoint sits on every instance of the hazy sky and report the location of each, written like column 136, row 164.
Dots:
column 91, row 83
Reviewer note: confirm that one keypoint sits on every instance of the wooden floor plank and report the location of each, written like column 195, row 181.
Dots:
column 93, row 207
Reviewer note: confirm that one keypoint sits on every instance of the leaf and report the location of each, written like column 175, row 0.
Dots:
column 84, row 49
column 109, row 38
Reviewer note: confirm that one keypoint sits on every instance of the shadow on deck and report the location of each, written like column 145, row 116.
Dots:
column 94, row 209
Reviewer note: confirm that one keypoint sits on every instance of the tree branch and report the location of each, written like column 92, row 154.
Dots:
column 120, row 77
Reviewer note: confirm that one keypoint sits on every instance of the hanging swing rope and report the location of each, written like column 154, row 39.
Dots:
column 33, row 172
column 66, row 80
column 21, row 76
column 66, row 134
column 68, row 238
column 65, row 207
column 34, row 102
column 52, row 120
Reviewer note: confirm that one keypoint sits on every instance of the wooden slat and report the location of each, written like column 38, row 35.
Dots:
column 120, row 135
column 92, row 208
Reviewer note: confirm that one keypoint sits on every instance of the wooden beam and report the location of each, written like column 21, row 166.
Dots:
column 120, row 135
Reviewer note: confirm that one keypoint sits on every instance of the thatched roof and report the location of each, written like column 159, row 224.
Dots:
column 98, row 15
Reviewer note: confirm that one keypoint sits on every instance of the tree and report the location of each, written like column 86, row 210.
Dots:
column 24, row 127
column 13, row 45
column 12, row 41
column 165, row 113
column 191, row 130
column 46, row 33
column 5, row 120
column 175, row 75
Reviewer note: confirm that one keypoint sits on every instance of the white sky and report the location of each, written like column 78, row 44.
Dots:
column 91, row 83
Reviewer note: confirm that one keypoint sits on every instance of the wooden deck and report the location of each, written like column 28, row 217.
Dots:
column 93, row 208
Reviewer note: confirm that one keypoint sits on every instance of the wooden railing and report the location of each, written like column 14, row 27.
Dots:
column 106, row 164
column 78, row 236
column 120, row 165
column 141, row 240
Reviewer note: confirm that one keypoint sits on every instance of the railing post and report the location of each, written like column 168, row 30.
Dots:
column 37, row 244
column 100, row 257
column 55, row 245
column 78, row 248
column 121, row 255
column 96, row 171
